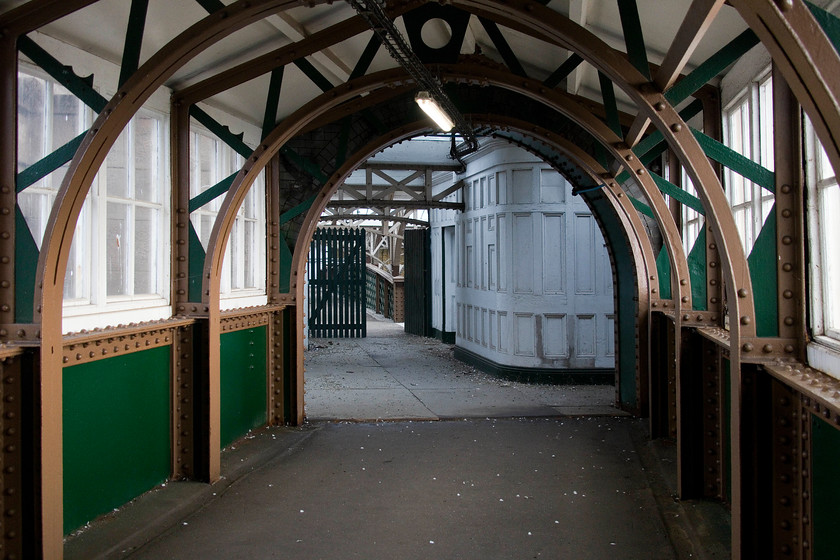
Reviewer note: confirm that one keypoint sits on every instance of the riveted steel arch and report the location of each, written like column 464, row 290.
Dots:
column 320, row 110
column 556, row 29
column 53, row 258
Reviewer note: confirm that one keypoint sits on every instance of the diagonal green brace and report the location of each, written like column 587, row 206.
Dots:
column 223, row 132
column 367, row 57
column 292, row 213
column 197, row 257
column 211, row 5
column 78, row 86
column 663, row 270
column 502, row 46
column 829, row 22
column 610, row 104
column 713, row 66
column 642, row 207
column 272, row 99
column 133, row 39
column 26, row 265
column 312, row 73
column 213, row 192
column 731, row 159
column 764, row 275
column 633, row 37
column 47, row 164
column 563, row 70
column 675, row 192
column 697, row 271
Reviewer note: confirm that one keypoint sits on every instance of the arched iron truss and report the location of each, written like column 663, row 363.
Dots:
column 302, row 174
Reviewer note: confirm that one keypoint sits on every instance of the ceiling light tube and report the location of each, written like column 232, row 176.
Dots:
column 431, row 108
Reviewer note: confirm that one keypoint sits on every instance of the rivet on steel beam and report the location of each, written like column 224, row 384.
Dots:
column 787, row 294
column 786, row 189
column 767, row 348
column 789, row 348
column 699, row 317
column 787, row 240
column 747, row 347
column 683, row 282
column 742, row 293
column 640, row 171
column 676, row 127
column 712, row 282
column 713, row 300
column 686, row 317
column 789, row 321
column 685, row 299
column 659, row 105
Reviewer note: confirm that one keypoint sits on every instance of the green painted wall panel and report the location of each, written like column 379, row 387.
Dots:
column 243, row 382
column 825, row 453
column 116, row 432
column 627, row 297
column 697, row 271
column 663, row 269
column 762, row 262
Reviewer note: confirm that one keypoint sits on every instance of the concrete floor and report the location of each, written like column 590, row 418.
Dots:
column 494, row 470
column 391, row 375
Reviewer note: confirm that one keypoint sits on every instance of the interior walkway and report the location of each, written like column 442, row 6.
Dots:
column 506, row 476
column 391, row 375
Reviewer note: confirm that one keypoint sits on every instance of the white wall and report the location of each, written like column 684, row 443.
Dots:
column 533, row 278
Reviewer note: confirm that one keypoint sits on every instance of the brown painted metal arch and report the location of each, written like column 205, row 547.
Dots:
column 544, row 23
column 570, row 107
column 807, row 59
column 52, row 262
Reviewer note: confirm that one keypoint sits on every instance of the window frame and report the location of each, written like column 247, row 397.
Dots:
column 93, row 307
column 224, row 162
column 754, row 203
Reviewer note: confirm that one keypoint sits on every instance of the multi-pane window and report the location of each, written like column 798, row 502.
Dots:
column 692, row 220
column 49, row 116
column 748, row 126
column 134, row 212
column 120, row 247
column 823, row 209
column 243, row 269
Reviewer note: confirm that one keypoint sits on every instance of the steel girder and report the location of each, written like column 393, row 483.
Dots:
column 801, row 46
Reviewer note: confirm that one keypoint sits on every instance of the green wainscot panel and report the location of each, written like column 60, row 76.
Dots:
column 825, row 494
column 243, row 382
column 117, row 441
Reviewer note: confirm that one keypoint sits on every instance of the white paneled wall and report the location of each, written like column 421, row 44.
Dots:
column 527, row 274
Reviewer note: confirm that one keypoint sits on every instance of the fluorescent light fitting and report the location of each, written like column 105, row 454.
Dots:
column 431, row 108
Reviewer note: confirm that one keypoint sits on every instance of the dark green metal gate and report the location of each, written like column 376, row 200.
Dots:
column 418, row 282
column 337, row 284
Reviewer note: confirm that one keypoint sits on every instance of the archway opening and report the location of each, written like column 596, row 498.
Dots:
column 518, row 302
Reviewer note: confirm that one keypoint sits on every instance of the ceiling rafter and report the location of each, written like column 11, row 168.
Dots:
column 696, row 23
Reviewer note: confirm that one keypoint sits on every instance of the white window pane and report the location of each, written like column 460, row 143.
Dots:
column 68, row 114
column 830, row 208
column 250, row 255
column 207, row 162
column 146, row 228
column 35, row 207
column 117, row 249
column 146, row 152
column 765, row 101
column 32, row 94
column 116, row 172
